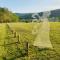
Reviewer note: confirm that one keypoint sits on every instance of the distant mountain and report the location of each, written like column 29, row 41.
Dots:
column 27, row 15
column 54, row 13
column 24, row 15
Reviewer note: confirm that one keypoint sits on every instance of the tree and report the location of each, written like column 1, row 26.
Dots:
column 7, row 16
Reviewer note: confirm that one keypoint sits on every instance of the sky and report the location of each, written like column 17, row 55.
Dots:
column 30, row 6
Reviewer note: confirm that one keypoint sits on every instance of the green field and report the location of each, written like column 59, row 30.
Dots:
column 10, row 33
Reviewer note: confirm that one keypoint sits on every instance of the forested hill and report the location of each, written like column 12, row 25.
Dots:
column 54, row 13
column 7, row 16
column 27, row 15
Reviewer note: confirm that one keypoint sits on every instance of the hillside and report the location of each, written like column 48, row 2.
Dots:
column 54, row 13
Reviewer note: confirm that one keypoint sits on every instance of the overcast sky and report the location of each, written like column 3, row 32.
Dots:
column 27, row 6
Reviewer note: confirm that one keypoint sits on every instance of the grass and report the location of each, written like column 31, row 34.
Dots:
column 25, row 32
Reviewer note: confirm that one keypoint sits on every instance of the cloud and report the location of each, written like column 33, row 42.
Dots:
column 56, row 2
